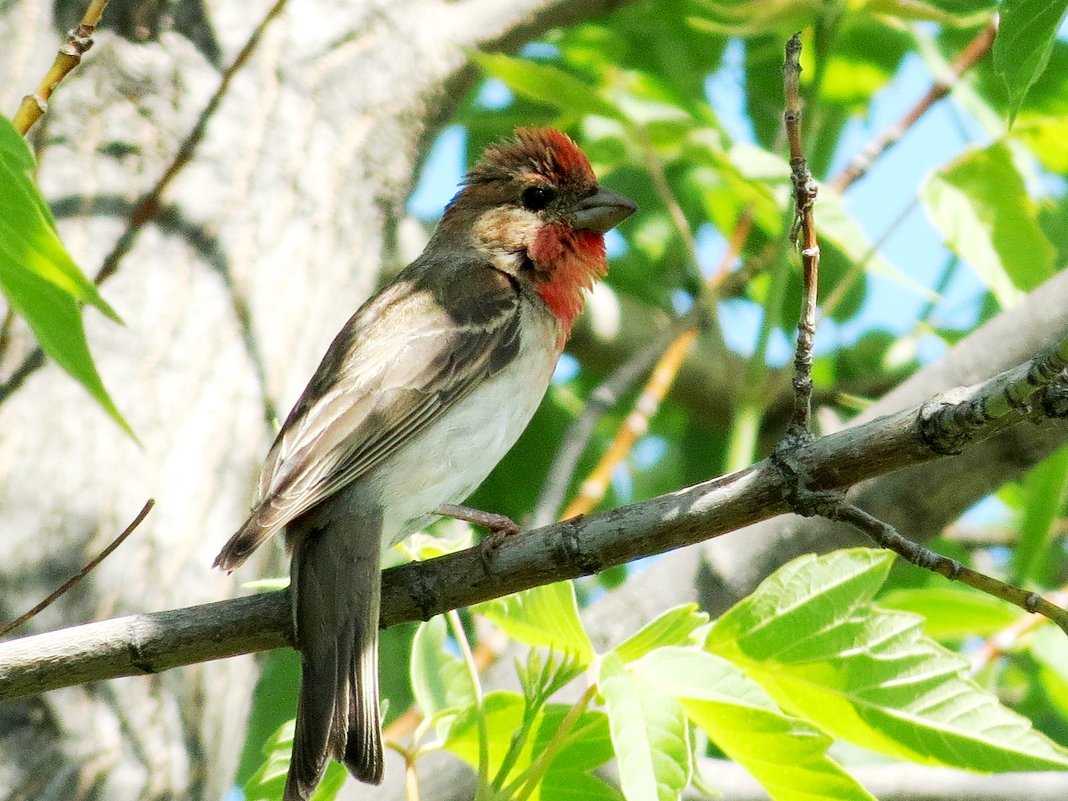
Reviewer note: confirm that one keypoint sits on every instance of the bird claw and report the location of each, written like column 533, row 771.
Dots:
column 489, row 545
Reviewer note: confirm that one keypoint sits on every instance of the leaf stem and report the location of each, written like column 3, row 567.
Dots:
column 534, row 774
column 458, row 632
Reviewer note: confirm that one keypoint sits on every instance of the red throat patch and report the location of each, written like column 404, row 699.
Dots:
column 567, row 262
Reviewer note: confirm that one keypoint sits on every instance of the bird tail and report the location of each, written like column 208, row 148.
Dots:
column 335, row 578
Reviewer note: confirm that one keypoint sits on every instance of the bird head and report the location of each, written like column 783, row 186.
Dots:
column 533, row 208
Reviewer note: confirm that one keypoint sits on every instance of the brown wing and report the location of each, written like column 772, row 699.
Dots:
column 394, row 368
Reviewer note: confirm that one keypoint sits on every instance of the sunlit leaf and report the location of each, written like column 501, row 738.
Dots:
column 1045, row 137
column 953, row 612
column 440, row 680
column 786, row 755
column 1044, row 492
column 547, row 84
column 267, row 783
column 649, row 735
column 27, row 229
column 1026, row 32
column 673, row 627
column 811, row 637
column 1050, row 649
column 38, row 276
column 544, row 616
column 587, row 747
column 982, row 208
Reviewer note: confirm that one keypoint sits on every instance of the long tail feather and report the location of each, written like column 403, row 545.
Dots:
column 335, row 576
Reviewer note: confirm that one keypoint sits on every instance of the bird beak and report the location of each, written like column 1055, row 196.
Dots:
column 603, row 211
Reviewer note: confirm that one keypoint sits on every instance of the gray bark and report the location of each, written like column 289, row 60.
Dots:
column 266, row 242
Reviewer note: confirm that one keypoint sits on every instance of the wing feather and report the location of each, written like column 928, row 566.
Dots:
column 396, row 367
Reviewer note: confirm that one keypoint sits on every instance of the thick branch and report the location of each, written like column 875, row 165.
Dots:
column 151, row 643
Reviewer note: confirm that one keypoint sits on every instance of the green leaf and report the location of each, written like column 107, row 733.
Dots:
column 1044, row 492
column 38, row 276
column 547, row 84
column 811, row 637
column 544, row 616
column 786, row 755
column 673, row 627
column 649, row 734
column 980, row 205
column 27, row 229
column 267, row 783
column 587, row 747
column 1026, row 33
column 56, row 320
column 1050, row 649
column 953, row 613
column 440, row 681
column 1045, row 137
column 274, row 701
column 504, row 715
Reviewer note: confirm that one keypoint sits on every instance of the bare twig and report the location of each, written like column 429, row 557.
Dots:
column 968, row 58
column 150, row 643
column 595, row 486
column 148, row 205
column 96, row 560
column 805, row 227
column 79, row 40
column 887, row 536
column 1000, row 642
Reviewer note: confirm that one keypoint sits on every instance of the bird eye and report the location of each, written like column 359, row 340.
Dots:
column 537, row 198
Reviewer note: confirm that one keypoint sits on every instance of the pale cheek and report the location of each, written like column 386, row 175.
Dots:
column 505, row 230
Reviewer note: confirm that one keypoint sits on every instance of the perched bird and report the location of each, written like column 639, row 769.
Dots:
column 418, row 397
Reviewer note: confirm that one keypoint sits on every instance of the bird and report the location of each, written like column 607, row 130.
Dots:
column 421, row 393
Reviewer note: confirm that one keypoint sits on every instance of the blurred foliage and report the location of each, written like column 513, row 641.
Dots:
column 679, row 106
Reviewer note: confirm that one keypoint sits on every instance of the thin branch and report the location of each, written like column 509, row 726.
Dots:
column 887, row 537
column 805, row 226
column 1002, row 641
column 947, row 427
column 150, row 643
column 69, row 56
column 96, row 560
column 594, row 488
column 968, row 58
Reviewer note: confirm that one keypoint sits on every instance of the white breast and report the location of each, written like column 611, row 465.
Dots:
column 447, row 462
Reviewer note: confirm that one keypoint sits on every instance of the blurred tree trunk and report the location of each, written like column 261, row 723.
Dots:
column 262, row 247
